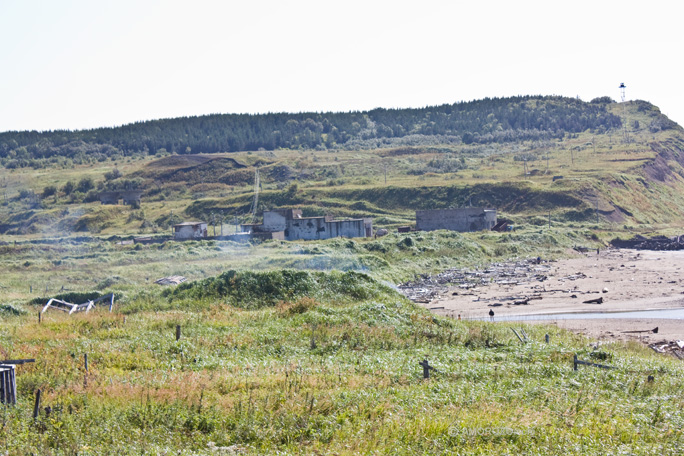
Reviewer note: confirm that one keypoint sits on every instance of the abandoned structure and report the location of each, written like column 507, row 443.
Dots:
column 189, row 230
column 129, row 197
column 462, row 219
column 71, row 308
column 8, row 384
column 295, row 227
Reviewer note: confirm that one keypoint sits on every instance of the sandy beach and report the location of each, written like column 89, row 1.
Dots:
column 620, row 280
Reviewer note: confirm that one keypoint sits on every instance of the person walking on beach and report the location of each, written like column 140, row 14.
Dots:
column 491, row 315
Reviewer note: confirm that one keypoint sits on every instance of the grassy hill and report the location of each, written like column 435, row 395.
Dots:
column 631, row 175
column 484, row 121
column 305, row 347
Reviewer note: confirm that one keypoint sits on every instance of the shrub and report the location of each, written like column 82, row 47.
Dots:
column 300, row 306
column 85, row 184
column 49, row 190
column 68, row 188
column 8, row 309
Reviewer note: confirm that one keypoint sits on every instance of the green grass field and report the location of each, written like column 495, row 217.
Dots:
column 336, row 374
column 305, row 347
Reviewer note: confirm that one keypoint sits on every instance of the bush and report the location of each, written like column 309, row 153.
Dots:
column 26, row 194
column 49, row 190
column 113, row 174
column 68, row 188
column 91, row 196
column 300, row 306
column 7, row 309
column 85, row 184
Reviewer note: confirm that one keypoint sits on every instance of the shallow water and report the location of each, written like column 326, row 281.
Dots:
column 670, row 314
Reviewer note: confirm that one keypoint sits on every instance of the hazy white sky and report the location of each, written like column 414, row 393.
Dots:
column 75, row 64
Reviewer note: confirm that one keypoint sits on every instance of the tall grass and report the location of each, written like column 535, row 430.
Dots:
column 324, row 376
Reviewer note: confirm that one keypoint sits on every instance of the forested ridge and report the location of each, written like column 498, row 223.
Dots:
column 481, row 121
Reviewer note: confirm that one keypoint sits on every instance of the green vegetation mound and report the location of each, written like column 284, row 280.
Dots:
column 74, row 297
column 8, row 309
column 249, row 289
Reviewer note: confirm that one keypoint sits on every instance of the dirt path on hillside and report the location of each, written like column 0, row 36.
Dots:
column 615, row 279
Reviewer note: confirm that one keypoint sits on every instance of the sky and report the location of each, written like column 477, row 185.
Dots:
column 75, row 64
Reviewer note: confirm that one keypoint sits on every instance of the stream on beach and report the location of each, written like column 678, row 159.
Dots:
column 670, row 314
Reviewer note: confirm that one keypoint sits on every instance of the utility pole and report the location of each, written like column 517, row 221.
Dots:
column 547, row 161
column 624, row 110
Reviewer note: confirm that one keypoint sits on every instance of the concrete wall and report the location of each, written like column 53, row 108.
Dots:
column 277, row 220
column 194, row 231
column 274, row 221
column 463, row 219
column 319, row 228
column 130, row 197
column 251, row 227
column 294, row 227
column 109, row 197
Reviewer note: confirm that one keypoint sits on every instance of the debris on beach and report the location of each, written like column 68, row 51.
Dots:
column 670, row 347
column 654, row 331
column 576, row 276
column 426, row 287
column 655, row 243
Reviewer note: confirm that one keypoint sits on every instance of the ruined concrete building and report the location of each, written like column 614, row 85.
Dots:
column 190, row 230
column 129, row 197
column 463, row 219
column 295, row 227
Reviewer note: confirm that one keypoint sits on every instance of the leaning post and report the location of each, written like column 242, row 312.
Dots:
column 36, row 406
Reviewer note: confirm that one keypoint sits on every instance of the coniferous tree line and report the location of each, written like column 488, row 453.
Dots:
column 482, row 121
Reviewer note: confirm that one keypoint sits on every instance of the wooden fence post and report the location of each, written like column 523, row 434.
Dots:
column 546, row 338
column 178, row 332
column 85, row 361
column 426, row 368
column 576, row 362
column 517, row 335
column 36, row 406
